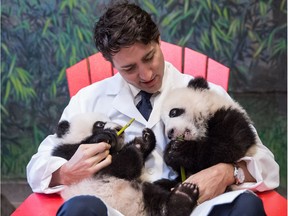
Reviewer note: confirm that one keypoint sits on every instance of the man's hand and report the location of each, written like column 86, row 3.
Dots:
column 213, row 181
column 87, row 160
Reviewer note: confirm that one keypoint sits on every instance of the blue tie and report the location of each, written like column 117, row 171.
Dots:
column 144, row 106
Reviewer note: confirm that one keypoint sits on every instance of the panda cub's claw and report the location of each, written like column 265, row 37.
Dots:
column 146, row 143
column 188, row 189
column 148, row 135
column 183, row 199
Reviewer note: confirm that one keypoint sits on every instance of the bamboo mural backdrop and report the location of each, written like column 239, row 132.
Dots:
column 40, row 39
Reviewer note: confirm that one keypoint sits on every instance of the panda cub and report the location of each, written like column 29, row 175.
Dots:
column 120, row 185
column 204, row 128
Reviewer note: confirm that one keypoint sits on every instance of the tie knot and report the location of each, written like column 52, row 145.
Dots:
column 145, row 95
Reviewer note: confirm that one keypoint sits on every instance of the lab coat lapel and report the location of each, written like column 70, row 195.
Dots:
column 124, row 103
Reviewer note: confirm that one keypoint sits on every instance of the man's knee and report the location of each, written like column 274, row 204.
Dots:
column 83, row 205
column 248, row 204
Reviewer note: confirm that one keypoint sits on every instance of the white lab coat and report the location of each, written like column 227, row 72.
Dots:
column 113, row 97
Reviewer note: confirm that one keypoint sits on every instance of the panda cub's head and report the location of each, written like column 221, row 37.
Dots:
column 186, row 111
column 90, row 128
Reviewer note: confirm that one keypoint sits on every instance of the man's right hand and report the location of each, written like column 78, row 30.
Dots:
column 87, row 160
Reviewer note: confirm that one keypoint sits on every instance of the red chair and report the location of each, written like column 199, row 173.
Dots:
column 95, row 68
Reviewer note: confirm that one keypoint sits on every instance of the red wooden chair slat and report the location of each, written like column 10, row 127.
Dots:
column 218, row 73
column 78, row 77
column 196, row 64
column 172, row 53
column 274, row 203
column 39, row 205
column 99, row 68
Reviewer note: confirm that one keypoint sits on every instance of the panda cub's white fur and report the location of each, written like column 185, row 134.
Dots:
column 81, row 126
column 117, row 193
column 199, row 105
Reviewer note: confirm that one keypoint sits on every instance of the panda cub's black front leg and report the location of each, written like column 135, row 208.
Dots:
column 129, row 161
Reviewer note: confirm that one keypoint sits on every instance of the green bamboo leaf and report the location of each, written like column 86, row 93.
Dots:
column 23, row 75
column 168, row 19
column 46, row 25
column 80, row 36
column 63, row 5
column 7, row 91
column 61, row 75
column 282, row 5
column 62, row 48
column 167, row 4
column 252, row 35
column 209, row 4
column 263, row 8
column 16, row 86
column 12, row 65
column 3, row 111
column 184, row 40
column 186, row 6
column 234, row 27
column 151, row 7
column 226, row 13
column 220, row 32
column 197, row 14
column 216, row 6
column 175, row 23
column 259, row 50
column 5, row 48
column 280, row 47
column 53, row 89
column 214, row 38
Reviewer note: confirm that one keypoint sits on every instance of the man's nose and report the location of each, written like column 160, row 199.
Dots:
column 145, row 73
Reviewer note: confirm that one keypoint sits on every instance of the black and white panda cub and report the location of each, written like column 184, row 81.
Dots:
column 120, row 184
column 205, row 127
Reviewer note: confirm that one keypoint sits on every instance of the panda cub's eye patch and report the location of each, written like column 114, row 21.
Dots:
column 99, row 124
column 176, row 112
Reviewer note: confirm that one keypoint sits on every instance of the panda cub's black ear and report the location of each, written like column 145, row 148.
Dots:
column 62, row 128
column 198, row 83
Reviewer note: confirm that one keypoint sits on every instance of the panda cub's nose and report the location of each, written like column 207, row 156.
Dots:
column 170, row 133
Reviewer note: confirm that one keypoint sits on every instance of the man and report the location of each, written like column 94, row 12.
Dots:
column 130, row 40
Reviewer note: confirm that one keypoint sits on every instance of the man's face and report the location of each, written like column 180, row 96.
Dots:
column 141, row 65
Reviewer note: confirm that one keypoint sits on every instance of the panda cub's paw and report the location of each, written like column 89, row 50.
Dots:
column 189, row 191
column 146, row 143
column 183, row 199
column 148, row 136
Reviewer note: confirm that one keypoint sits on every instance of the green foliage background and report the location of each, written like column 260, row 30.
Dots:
column 40, row 39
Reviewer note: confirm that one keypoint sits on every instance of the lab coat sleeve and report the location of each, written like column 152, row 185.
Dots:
column 42, row 164
column 41, row 167
column 263, row 167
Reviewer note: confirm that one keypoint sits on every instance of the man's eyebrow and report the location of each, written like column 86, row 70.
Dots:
column 149, row 53
column 127, row 66
column 143, row 59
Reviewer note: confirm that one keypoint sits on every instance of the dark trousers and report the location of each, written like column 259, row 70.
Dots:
column 246, row 204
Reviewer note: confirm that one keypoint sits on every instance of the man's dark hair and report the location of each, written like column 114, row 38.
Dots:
column 122, row 25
